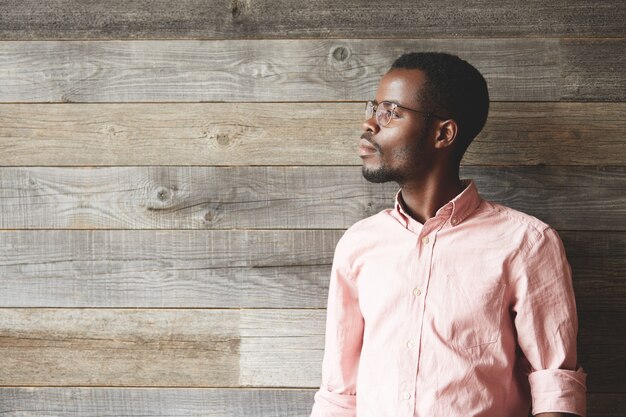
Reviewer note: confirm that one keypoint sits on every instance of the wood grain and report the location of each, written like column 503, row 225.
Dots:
column 291, row 70
column 236, row 134
column 203, row 348
column 588, row 82
column 229, row 269
column 299, row 197
column 150, row 268
column 183, row 402
column 155, row 402
column 200, row 348
column 115, row 19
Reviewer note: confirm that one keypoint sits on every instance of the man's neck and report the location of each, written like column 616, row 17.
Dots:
column 422, row 198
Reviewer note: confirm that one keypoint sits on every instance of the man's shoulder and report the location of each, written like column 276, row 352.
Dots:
column 512, row 218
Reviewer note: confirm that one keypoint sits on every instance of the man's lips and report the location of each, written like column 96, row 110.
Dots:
column 366, row 147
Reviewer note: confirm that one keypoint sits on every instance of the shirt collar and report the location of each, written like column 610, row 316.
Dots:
column 457, row 209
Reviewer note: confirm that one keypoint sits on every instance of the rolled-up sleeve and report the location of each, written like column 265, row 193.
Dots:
column 344, row 338
column 547, row 325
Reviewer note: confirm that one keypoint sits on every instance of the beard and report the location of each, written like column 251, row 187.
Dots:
column 379, row 175
column 400, row 174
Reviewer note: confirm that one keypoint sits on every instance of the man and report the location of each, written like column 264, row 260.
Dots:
column 447, row 305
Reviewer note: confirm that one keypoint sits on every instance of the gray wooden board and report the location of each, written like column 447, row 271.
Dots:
column 90, row 19
column 153, row 402
column 291, row 197
column 195, row 402
column 292, row 70
column 229, row 134
column 206, row 348
column 150, row 268
column 229, row 269
column 192, row 347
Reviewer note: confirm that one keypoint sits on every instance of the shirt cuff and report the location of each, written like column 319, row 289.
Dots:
column 330, row 404
column 559, row 390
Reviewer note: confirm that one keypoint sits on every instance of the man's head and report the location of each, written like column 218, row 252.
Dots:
column 442, row 105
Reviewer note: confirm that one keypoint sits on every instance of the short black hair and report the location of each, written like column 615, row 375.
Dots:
column 454, row 88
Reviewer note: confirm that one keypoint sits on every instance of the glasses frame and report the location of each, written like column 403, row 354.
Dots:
column 394, row 106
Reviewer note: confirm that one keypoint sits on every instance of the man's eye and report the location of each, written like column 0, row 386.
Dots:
column 394, row 114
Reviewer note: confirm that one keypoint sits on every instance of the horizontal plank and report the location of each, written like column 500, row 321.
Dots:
column 232, row 134
column 293, row 197
column 214, row 402
column 293, row 70
column 58, row 19
column 229, row 269
column 203, row 348
column 598, row 269
column 582, row 81
column 117, row 268
column 200, row 348
column 155, row 402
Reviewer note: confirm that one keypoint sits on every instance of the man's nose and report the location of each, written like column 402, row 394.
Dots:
column 370, row 125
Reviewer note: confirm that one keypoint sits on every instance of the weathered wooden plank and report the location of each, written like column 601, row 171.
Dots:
column 203, row 348
column 150, row 268
column 229, row 269
column 214, row 402
column 115, row 19
column 288, row 70
column 598, row 270
column 600, row 330
column 155, row 402
column 582, row 80
column 568, row 198
column 305, row 133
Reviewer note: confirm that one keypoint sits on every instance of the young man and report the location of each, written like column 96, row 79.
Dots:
column 447, row 305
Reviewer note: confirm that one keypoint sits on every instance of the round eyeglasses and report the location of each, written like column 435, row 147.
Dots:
column 386, row 110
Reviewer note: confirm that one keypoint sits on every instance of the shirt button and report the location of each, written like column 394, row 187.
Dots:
column 454, row 221
column 406, row 395
column 417, row 292
column 425, row 240
column 411, row 344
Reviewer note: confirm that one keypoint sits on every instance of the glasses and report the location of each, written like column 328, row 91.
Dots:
column 386, row 110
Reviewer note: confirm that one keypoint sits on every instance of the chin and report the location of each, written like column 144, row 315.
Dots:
column 377, row 176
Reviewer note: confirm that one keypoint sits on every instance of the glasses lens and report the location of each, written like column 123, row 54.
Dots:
column 383, row 113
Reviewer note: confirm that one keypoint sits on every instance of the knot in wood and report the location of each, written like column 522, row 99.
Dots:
column 341, row 54
column 236, row 7
column 222, row 139
column 162, row 194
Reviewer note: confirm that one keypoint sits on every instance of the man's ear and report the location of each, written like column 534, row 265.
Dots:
column 446, row 133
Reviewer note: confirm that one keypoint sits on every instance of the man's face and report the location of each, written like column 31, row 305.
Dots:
column 403, row 149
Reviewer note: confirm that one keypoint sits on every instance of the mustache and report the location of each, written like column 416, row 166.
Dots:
column 368, row 137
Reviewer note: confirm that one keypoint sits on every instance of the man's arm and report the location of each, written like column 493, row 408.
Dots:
column 344, row 338
column 547, row 326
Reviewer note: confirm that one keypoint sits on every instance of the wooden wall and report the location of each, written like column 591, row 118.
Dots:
column 174, row 177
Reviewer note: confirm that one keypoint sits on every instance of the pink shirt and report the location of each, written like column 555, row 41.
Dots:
column 470, row 314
